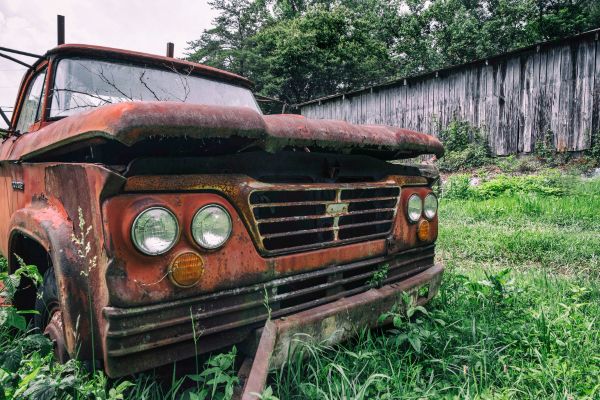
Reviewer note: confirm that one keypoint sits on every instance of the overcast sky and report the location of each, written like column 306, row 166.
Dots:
column 142, row 25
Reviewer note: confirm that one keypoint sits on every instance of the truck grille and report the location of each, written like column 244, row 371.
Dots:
column 301, row 219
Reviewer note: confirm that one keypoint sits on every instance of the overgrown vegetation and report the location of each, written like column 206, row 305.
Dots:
column 464, row 186
column 465, row 145
column 467, row 149
column 497, row 335
column 519, row 302
column 28, row 369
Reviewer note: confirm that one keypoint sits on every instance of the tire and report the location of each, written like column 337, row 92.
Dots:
column 48, row 319
column 46, row 301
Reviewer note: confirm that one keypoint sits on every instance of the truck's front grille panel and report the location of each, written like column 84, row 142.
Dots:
column 295, row 220
column 227, row 317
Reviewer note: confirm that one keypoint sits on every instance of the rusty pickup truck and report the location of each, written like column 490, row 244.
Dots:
column 170, row 217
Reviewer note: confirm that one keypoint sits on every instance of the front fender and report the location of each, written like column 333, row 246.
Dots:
column 53, row 230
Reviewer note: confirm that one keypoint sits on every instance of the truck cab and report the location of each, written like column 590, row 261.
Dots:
column 170, row 217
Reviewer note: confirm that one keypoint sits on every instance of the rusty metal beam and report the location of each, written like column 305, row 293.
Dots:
column 20, row 52
column 257, row 378
column 15, row 60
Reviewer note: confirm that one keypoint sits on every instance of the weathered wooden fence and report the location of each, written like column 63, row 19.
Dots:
column 518, row 98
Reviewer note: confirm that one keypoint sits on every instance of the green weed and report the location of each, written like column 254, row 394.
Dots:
column 519, row 301
column 495, row 335
column 465, row 147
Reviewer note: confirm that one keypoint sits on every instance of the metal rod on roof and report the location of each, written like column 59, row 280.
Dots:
column 170, row 49
column 23, row 53
column 15, row 60
column 5, row 118
column 60, row 29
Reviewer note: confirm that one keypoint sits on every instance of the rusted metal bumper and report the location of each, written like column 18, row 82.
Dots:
column 332, row 323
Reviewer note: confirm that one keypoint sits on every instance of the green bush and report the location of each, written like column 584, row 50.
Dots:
column 594, row 151
column 541, row 184
column 465, row 147
column 550, row 184
column 457, row 187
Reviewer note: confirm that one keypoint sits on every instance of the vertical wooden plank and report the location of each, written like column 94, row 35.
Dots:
column 410, row 101
column 434, row 105
column 544, row 102
column 554, row 84
column 596, row 92
column 498, row 106
column 489, row 102
column 532, row 95
column 582, row 124
column 566, row 101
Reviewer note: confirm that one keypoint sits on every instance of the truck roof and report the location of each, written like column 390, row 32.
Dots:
column 112, row 53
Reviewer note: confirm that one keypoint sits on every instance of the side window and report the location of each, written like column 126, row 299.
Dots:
column 31, row 108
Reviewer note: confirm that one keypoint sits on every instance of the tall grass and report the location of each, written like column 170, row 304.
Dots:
column 500, row 336
column 523, row 229
column 517, row 315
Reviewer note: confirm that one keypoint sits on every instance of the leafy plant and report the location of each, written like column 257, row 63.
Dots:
column 10, row 317
column 412, row 326
column 465, row 147
column 218, row 379
column 594, row 151
column 457, row 187
column 549, row 184
column 379, row 276
column 267, row 394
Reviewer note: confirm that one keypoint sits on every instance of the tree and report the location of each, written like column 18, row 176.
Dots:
column 226, row 45
column 320, row 52
column 296, row 50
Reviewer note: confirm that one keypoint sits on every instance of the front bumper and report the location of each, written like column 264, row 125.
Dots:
column 140, row 338
column 332, row 323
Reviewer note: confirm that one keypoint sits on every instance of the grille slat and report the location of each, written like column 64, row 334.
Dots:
column 292, row 233
column 297, row 220
column 317, row 216
column 316, row 202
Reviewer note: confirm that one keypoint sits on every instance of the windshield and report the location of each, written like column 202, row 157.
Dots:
column 82, row 84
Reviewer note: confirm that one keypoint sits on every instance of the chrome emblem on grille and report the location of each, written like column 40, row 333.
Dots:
column 337, row 209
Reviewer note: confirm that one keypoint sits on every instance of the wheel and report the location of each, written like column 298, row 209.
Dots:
column 48, row 318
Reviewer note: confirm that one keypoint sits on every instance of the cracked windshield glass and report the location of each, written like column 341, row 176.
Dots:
column 83, row 84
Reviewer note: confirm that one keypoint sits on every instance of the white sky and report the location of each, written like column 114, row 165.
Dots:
column 141, row 25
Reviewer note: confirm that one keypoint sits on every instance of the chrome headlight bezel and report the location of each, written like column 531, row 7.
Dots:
column 142, row 248
column 202, row 244
column 412, row 215
column 430, row 215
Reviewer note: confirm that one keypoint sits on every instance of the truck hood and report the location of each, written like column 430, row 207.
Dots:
column 133, row 122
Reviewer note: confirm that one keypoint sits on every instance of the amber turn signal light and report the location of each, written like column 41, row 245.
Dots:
column 423, row 230
column 187, row 269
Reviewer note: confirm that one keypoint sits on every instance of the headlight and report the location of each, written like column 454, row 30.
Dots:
column 155, row 231
column 211, row 226
column 415, row 208
column 430, row 206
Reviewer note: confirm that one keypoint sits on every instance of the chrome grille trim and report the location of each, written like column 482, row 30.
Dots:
column 290, row 219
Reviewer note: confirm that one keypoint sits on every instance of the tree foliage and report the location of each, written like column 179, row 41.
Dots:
column 296, row 50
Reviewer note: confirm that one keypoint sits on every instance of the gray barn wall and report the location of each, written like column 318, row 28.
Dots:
column 516, row 98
